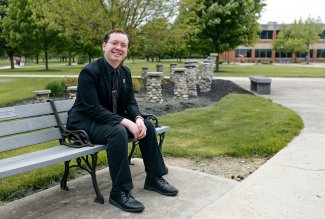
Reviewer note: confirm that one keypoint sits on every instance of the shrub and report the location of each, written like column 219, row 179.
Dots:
column 137, row 84
column 58, row 88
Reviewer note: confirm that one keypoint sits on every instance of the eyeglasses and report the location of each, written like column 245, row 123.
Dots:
column 116, row 44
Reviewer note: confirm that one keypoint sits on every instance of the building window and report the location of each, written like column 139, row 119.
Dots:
column 266, row 34
column 263, row 53
column 282, row 55
column 320, row 53
column 301, row 54
column 247, row 53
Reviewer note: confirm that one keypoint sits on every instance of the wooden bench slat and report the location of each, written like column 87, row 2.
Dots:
column 38, row 159
column 30, row 110
column 162, row 129
column 64, row 105
column 23, row 140
column 7, row 113
column 29, row 124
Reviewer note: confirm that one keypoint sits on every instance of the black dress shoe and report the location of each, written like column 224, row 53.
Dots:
column 160, row 185
column 125, row 201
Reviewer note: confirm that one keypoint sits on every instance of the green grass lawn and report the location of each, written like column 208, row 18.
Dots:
column 271, row 71
column 17, row 89
column 238, row 125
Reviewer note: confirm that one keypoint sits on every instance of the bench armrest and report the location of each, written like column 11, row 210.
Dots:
column 71, row 138
column 152, row 118
column 75, row 138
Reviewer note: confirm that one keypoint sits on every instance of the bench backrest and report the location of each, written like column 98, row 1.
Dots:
column 25, row 125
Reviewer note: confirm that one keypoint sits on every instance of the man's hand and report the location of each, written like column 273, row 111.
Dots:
column 132, row 127
column 142, row 127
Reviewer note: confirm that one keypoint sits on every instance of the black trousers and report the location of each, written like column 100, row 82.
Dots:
column 116, row 139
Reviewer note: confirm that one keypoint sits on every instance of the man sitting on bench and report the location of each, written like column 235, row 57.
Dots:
column 106, row 109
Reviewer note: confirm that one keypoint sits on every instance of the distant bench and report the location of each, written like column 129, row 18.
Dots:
column 26, row 125
column 260, row 84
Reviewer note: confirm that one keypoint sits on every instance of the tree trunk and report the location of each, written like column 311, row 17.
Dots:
column 217, row 63
column 10, row 53
column 46, row 60
column 69, row 57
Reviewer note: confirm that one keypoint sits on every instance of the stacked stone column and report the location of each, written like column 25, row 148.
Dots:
column 72, row 91
column 41, row 96
column 153, row 86
column 160, row 67
column 191, row 77
column 180, row 85
column 172, row 66
column 207, row 76
column 143, row 77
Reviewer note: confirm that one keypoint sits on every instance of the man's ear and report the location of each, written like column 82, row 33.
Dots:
column 104, row 45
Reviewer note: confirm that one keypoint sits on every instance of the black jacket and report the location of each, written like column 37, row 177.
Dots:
column 94, row 97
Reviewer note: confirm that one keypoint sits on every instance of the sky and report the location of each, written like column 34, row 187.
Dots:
column 286, row 11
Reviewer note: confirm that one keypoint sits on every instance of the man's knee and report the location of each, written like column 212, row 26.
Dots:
column 150, row 127
column 118, row 132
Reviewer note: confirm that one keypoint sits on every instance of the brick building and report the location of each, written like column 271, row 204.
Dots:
column 262, row 50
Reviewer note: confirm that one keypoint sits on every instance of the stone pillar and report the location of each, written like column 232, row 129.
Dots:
column 143, row 76
column 41, row 96
column 191, row 78
column 192, row 63
column 172, row 66
column 153, row 86
column 160, row 67
column 180, row 85
column 207, row 76
column 144, row 72
column 72, row 91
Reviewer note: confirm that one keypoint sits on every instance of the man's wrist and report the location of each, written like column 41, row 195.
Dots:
column 139, row 117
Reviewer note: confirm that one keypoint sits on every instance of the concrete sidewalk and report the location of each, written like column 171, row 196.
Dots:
column 289, row 185
column 197, row 190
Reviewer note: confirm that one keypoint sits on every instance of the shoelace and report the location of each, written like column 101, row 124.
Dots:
column 162, row 180
column 127, row 195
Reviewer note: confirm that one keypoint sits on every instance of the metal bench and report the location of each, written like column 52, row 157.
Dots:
column 26, row 125
column 260, row 84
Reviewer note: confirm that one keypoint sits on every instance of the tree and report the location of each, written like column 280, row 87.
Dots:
column 4, row 45
column 182, row 41
column 154, row 38
column 27, row 28
column 299, row 36
column 225, row 24
column 81, row 23
column 132, row 14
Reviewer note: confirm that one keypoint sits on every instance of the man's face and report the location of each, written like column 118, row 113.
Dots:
column 116, row 49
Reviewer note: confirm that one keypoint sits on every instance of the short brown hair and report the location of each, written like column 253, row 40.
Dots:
column 108, row 34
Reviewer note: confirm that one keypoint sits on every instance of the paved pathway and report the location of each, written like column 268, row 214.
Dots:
column 289, row 185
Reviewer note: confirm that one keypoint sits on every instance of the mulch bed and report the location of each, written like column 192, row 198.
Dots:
column 219, row 89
